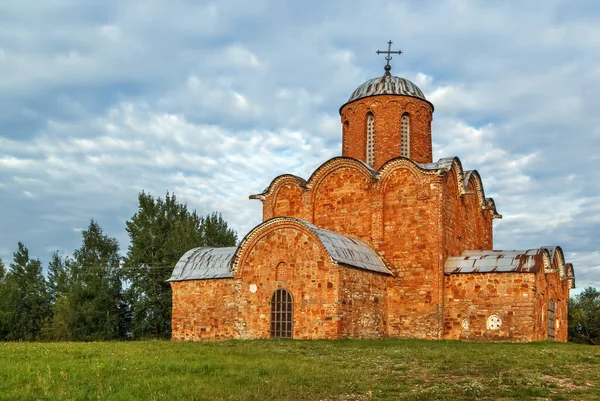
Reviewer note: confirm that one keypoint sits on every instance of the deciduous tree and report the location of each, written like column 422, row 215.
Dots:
column 584, row 317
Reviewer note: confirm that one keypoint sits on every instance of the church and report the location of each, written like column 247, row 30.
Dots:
column 381, row 242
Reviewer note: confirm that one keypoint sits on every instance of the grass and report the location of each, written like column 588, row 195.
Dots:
column 299, row 370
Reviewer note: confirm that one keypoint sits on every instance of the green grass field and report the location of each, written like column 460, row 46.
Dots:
column 298, row 370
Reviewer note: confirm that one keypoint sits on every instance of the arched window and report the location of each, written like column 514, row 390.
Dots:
column 370, row 139
column 281, row 314
column 405, row 136
column 282, row 272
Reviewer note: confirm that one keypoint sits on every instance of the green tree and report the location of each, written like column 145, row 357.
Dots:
column 216, row 233
column 58, row 276
column 97, row 308
column 160, row 232
column 25, row 302
column 57, row 327
column 5, row 313
column 584, row 317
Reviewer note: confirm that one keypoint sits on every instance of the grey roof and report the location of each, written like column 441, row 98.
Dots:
column 204, row 263
column 386, row 85
column 349, row 251
column 528, row 261
column 212, row 263
column 444, row 163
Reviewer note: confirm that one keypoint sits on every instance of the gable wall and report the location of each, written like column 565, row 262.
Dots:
column 465, row 225
column 310, row 277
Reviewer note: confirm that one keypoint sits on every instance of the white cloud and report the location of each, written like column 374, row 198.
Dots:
column 101, row 100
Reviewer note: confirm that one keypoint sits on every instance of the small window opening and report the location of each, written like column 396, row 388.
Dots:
column 370, row 139
column 405, row 136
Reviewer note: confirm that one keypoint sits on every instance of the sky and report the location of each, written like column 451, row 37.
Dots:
column 100, row 100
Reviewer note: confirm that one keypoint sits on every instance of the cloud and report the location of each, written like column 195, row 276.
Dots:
column 100, row 100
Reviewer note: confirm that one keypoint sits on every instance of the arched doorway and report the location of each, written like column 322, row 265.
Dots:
column 281, row 314
column 551, row 325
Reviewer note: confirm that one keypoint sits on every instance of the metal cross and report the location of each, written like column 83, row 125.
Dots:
column 389, row 53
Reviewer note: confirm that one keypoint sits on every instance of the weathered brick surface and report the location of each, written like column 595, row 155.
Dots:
column 203, row 309
column 478, row 296
column 362, row 304
column 466, row 226
column 520, row 300
column 312, row 280
column 388, row 111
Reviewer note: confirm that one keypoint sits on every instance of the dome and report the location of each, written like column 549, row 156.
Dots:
column 387, row 85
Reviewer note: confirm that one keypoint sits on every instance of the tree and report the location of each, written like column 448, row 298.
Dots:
column 58, row 276
column 97, row 307
column 160, row 232
column 216, row 233
column 25, row 301
column 584, row 317
column 58, row 325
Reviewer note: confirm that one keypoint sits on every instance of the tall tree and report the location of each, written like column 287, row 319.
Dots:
column 160, row 232
column 584, row 317
column 5, row 312
column 58, row 326
column 215, row 231
column 58, row 276
column 25, row 301
column 97, row 307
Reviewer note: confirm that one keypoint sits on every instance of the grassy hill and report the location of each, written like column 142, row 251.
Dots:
column 299, row 370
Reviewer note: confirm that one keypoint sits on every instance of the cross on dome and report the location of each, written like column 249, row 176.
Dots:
column 389, row 53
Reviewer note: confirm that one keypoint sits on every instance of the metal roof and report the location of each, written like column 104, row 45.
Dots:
column 528, row 261
column 387, row 85
column 211, row 263
column 444, row 163
column 349, row 251
column 204, row 263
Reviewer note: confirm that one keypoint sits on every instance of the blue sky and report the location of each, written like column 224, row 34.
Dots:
column 101, row 100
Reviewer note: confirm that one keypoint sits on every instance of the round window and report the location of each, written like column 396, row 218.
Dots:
column 494, row 322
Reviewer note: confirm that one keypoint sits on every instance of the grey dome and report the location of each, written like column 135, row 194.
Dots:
column 387, row 85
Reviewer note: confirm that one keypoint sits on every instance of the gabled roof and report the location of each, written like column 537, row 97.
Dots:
column 204, row 263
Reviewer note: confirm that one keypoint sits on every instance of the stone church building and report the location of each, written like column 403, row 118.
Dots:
column 380, row 242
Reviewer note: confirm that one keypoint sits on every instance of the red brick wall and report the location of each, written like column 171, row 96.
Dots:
column 476, row 296
column 311, row 278
column 287, row 201
column 342, row 202
column 550, row 286
column 465, row 225
column 362, row 300
column 410, row 245
column 195, row 313
column 388, row 111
